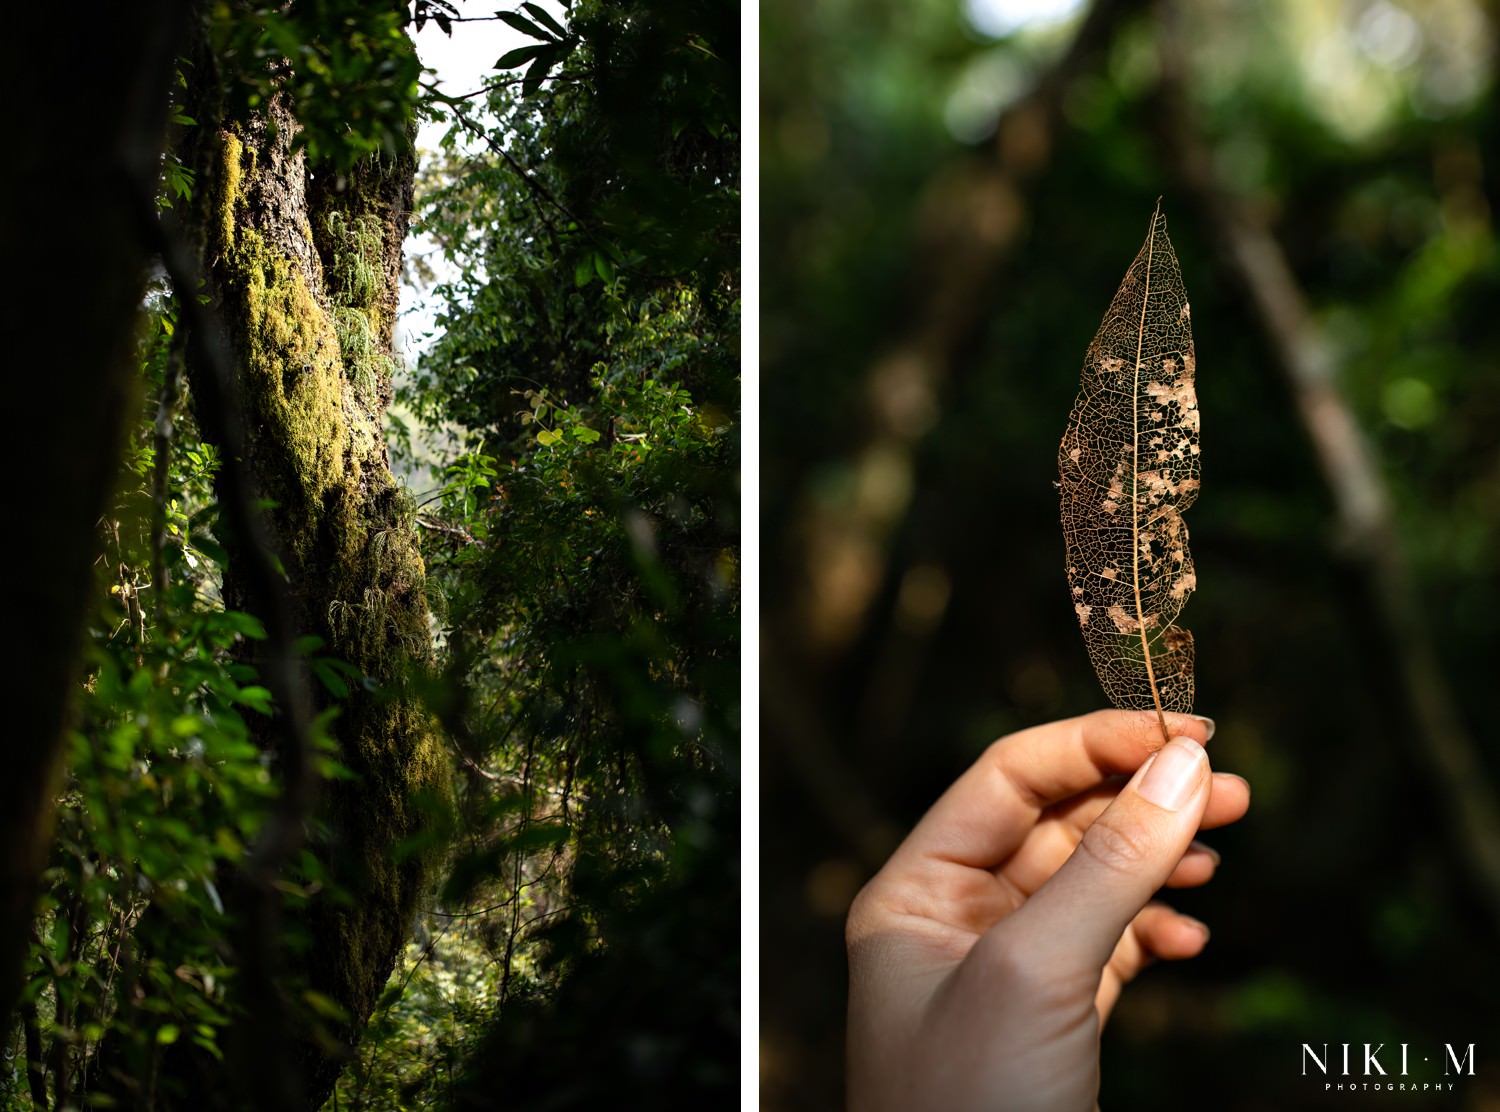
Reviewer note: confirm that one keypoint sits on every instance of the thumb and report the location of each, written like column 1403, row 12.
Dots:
column 1125, row 856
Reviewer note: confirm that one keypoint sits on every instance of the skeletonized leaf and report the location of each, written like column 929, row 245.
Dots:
column 1129, row 466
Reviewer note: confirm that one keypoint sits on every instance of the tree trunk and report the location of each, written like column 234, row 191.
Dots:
column 303, row 267
column 81, row 160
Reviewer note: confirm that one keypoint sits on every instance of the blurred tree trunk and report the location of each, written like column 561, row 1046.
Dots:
column 971, row 220
column 81, row 167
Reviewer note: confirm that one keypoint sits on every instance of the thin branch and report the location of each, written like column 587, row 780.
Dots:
column 452, row 99
column 437, row 525
column 577, row 77
column 162, row 432
column 427, row 951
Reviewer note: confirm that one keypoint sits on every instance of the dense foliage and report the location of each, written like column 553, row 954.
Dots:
column 164, row 783
column 583, row 540
column 582, row 562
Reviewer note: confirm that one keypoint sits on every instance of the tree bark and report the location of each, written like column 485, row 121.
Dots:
column 302, row 266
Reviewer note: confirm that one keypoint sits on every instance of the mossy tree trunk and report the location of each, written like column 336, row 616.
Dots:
column 303, row 267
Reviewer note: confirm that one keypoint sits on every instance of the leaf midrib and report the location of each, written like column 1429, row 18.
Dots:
column 1135, row 472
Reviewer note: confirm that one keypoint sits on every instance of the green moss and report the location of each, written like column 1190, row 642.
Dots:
column 312, row 370
column 354, row 270
column 230, row 190
column 366, row 365
column 353, row 247
column 292, row 377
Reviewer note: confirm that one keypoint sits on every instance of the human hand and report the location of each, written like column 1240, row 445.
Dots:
column 986, row 955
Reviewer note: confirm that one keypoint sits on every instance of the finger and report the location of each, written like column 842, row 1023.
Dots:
column 1196, row 868
column 1227, row 803
column 1076, row 918
column 1052, row 843
column 1156, row 933
column 1054, row 838
column 985, row 815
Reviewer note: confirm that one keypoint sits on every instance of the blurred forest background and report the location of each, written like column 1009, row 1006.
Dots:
column 951, row 194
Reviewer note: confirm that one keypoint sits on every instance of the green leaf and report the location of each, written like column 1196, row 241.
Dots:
column 214, row 551
column 330, row 679
column 393, row 993
column 538, row 72
column 539, row 836
column 326, row 1006
column 246, row 625
column 525, row 26
column 585, row 434
column 167, row 1034
column 548, row 437
column 60, row 938
column 519, row 56
column 33, row 989
column 255, row 697
column 330, row 769
column 545, row 18
column 583, row 273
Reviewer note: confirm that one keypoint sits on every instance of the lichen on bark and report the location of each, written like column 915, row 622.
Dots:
column 295, row 257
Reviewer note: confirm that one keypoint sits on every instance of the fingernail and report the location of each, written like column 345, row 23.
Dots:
column 1213, row 853
column 1208, row 724
column 1201, row 925
column 1174, row 774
